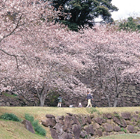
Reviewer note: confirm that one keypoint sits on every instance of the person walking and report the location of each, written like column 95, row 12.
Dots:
column 59, row 101
column 89, row 98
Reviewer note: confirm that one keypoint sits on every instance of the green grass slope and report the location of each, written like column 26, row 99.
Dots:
column 15, row 130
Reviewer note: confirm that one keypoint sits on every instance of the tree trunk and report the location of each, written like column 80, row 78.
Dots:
column 115, row 102
column 42, row 98
column 108, row 99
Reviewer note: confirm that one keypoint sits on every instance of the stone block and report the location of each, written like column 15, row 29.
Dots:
column 88, row 119
column 54, row 134
column 66, row 136
column 50, row 116
column 131, row 129
column 89, row 129
column 59, row 128
column 98, row 120
column 28, row 126
column 126, row 115
column 83, row 134
column 120, row 121
column 107, row 116
column 99, row 133
column 108, row 127
column 76, row 129
column 117, row 129
column 49, row 122
column 96, row 126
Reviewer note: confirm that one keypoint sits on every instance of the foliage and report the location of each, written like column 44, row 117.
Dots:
column 52, row 98
column 81, row 13
column 39, row 129
column 92, row 110
column 9, row 116
column 124, row 130
column 29, row 118
column 129, row 25
column 72, row 26
column 9, row 95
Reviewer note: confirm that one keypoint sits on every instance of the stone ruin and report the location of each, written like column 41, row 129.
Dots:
column 91, row 126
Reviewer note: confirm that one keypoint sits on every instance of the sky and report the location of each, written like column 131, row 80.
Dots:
column 126, row 8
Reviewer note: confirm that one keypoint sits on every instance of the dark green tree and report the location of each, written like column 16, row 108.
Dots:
column 129, row 25
column 83, row 12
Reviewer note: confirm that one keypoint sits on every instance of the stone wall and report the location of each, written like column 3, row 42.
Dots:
column 129, row 96
column 9, row 101
column 90, row 126
column 8, row 98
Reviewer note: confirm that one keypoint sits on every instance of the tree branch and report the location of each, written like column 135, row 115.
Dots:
column 15, row 56
column 17, row 25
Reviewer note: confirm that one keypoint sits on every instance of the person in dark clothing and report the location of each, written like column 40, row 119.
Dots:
column 89, row 98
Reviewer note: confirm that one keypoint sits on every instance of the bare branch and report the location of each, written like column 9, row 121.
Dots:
column 17, row 25
column 15, row 56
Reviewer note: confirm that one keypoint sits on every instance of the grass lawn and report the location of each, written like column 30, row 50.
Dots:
column 123, row 136
column 40, row 112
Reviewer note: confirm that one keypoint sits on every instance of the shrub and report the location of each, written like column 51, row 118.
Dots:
column 72, row 26
column 39, row 129
column 9, row 116
column 29, row 118
column 92, row 110
column 124, row 130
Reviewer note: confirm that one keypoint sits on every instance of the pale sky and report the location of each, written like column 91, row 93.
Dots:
column 126, row 8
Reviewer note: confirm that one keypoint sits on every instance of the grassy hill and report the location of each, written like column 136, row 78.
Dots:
column 16, row 130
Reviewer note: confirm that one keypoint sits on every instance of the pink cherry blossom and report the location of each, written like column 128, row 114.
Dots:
column 41, row 54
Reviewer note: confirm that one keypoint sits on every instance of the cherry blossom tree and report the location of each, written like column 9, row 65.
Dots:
column 115, row 54
column 36, row 54
column 16, row 35
column 29, row 51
